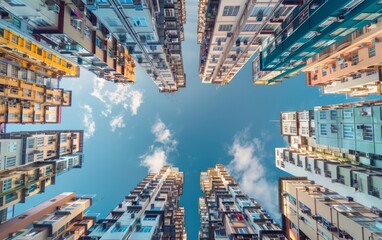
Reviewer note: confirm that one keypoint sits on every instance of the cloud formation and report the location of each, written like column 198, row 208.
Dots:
column 157, row 155
column 88, row 122
column 117, row 122
column 248, row 168
column 120, row 96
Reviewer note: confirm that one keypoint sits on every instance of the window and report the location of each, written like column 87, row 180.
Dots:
column 40, row 141
column 144, row 229
column 250, row 27
column 11, row 162
column 15, row 3
column 231, row 10
column 30, row 157
column 47, row 171
column 242, row 230
column 15, row 39
column 347, row 113
column 50, row 139
column 367, row 131
column 372, row 51
column 150, row 217
column 7, row 184
column 305, row 130
column 12, row 147
column 63, row 137
column 62, row 150
column 10, row 197
column 220, row 39
column 322, row 115
column 98, row 42
column 333, row 128
column 218, row 48
column 139, row 21
column 40, row 156
column 225, row 27
column 323, row 129
column 121, row 228
column 333, row 114
column 348, row 131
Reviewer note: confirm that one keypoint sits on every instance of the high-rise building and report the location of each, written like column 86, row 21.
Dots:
column 150, row 211
column 228, row 213
column 75, row 33
column 310, row 30
column 350, row 66
column 29, row 80
column 152, row 31
column 21, row 182
column 230, row 32
column 348, row 130
column 310, row 211
column 61, row 217
column 21, row 148
column 337, row 146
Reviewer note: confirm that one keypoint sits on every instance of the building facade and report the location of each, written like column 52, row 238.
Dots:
column 151, row 31
column 312, row 27
column 21, row 182
column 22, row 148
column 150, row 211
column 68, row 28
column 62, row 217
column 228, row 213
column 350, row 66
column 231, row 32
column 349, row 130
column 310, row 211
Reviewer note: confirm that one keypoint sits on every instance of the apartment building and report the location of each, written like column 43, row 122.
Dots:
column 21, row 182
column 22, row 148
column 362, row 183
column 231, row 32
column 152, row 32
column 350, row 66
column 61, row 217
column 311, row 211
column 228, row 213
column 150, row 211
column 312, row 27
column 349, row 130
column 74, row 33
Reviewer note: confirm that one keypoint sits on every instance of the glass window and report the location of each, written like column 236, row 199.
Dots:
column 242, row 230
column 322, row 115
column 30, row 157
column 144, row 229
column 347, row 113
column 225, row 27
column 150, row 217
column 139, row 21
column 250, row 27
column 231, row 10
column 7, row 184
column 121, row 228
column 12, row 147
column 367, row 131
column 11, row 162
column 333, row 128
column 333, row 114
column 372, row 51
column 348, row 131
column 40, row 141
column 323, row 129
column 62, row 150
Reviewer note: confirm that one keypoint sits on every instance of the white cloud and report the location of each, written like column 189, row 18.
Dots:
column 155, row 159
column 88, row 121
column 248, row 169
column 120, row 96
column 157, row 156
column 136, row 99
column 162, row 133
column 117, row 122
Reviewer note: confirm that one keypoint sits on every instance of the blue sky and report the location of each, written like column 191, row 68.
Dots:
column 133, row 128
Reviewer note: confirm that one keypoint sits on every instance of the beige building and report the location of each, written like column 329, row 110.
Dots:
column 310, row 211
column 62, row 217
column 351, row 66
column 228, row 213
